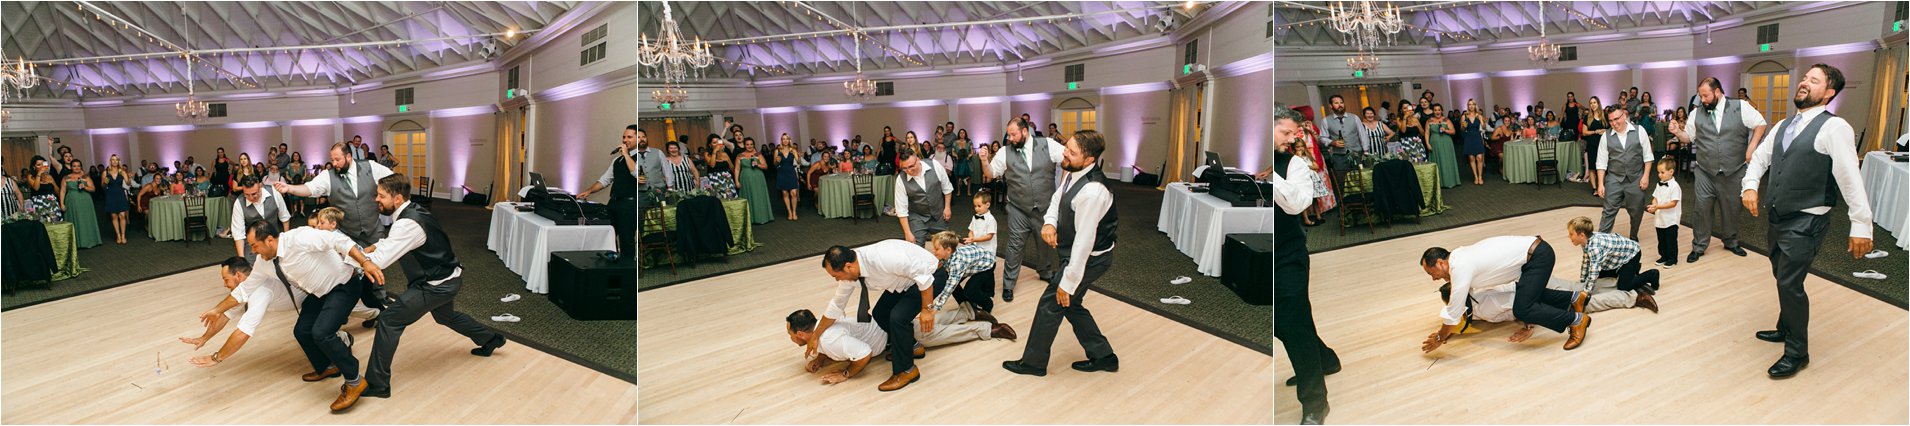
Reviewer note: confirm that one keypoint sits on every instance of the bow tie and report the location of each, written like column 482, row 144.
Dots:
column 1666, row 183
column 978, row 217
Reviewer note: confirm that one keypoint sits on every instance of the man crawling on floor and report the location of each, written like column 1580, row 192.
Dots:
column 858, row 342
column 1494, row 304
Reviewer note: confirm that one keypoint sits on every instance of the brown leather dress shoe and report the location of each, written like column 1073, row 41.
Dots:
column 1577, row 336
column 1002, row 331
column 1645, row 301
column 1578, row 304
column 920, row 351
column 900, row 380
column 984, row 316
column 348, row 395
column 320, row 375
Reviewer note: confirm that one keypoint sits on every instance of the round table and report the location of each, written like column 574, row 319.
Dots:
column 1429, row 190
column 1521, row 159
column 736, row 210
column 165, row 219
column 835, row 194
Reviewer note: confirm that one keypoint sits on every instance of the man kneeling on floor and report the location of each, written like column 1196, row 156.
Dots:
column 1494, row 304
column 252, row 295
column 1525, row 261
column 859, row 342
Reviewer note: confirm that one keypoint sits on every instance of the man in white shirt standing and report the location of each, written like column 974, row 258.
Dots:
column 922, row 196
column 1293, row 323
column 1027, row 168
column 1722, row 133
column 1812, row 159
column 1526, row 260
column 255, row 203
column 309, row 259
column 420, row 246
column 1080, row 225
column 1624, row 170
column 904, row 273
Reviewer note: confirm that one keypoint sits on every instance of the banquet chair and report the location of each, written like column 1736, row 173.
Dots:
column 421, row 192
column 1361, row 201
column 196, row 218
column 1547, row 164
column 864, row 197
column 656, row 235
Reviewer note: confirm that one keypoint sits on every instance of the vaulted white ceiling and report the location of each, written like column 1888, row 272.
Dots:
column 62, row 30
column 1432, row 23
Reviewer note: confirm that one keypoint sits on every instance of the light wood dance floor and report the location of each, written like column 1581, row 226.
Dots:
column 1694, row 362
column 715, row 351
column 90, row 359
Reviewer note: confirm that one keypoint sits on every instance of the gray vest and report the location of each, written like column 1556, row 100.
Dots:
column 270, row 209
column 1623, row 164
column 361, row 210
column 1030, row 189
column 924, row 200
column 1799, row 176
column 1720, row 148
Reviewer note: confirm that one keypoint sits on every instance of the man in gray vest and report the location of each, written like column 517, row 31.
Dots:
column 257, row 203
column 350, row 185
column 420, row 246
column 1723, row 133
column 922, row 196
column 1812, row 160
column 1080, row 224
column 1624, row 170
column 1339, row 127
column 1028, row 169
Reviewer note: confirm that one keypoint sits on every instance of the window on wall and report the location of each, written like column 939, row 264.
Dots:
column 1074, row 115
column 408, row 147
column 1770, row 87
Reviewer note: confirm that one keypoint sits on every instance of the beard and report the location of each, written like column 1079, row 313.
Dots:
column 1710, row 106
column 1804, row 100
column 1071, row 168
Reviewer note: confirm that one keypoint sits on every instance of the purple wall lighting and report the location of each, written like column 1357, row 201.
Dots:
column 774, row 125
column 455, row 137
column 171, row 145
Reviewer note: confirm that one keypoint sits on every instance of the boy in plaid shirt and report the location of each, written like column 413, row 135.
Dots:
column 1609, row 253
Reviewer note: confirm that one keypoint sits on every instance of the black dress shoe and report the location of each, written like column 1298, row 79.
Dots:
column 1295, row 380
column 1007, row 296
column 1787, row 367
column 1737, row 251
column 1693, row 258
column 1108, row 363
column 376, row 393
column 1018, row 368
column 370, row 323
column 488, row 347
column 1772, row 336
column 1315, row 417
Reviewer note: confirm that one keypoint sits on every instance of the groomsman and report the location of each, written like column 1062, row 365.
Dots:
column 1340, row 128
column 1723, row 133
column 1812, row 159
column 904, row 273
column 1080, row 225
column 922, row 194
column 313, row 261
column 349, row 185
column 1029, row 172
column 1624, row 170
column 420, row 246
column 1293, row 192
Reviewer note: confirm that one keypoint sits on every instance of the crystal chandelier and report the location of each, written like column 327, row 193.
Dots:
column 861, row 87
column 1363, row 26
column 192, row 109
column 1546, row 52
column 1363, row 61
column 670, row 95
column 670, row 57
column 17, row 75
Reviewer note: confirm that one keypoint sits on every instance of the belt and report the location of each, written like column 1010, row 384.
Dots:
column 1535, row 246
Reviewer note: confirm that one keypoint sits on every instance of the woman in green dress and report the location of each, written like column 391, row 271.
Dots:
column 1439, row 132
column 78, row 204
column 749, row 175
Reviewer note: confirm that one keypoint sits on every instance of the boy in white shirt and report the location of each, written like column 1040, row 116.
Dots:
column 981, row 232
column 1664, row 207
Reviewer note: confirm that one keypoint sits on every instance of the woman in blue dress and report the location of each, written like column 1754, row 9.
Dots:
column 787, row 181
column 1472, row 131
column 116, row 204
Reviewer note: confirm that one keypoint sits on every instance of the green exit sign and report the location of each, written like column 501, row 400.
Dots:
column 1187, row 69
column 663, row 106
column 1072, row 85
column 1766, row 47
column 404, row 108
column 1896, row 27
column 510, row 94
column 1359, row 73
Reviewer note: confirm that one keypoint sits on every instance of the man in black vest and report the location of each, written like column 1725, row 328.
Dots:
column 624, row 182
column 1293, row 310
column 1080, row 225
column 1812, row 159
column 419, row 246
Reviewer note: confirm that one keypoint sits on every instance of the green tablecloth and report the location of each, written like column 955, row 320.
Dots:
column 1521, row 159
column 835, row 195
column 66, row 250
column 165, row 220
column 742, row 237
column 1428, row 187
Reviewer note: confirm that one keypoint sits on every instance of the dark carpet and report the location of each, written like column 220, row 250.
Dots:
column 1500, row 200
column 1145, row 261
column 605, row 346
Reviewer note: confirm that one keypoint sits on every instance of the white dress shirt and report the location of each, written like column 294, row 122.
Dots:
column 1612, row 137
column 611, row 172
column 405, row 235
column 321, row 185
column 259, row 293
column 1746, row 113
column 983, row 227
column 1668, row 191
column 266, row 197
column 888, row 266
column 311, row 259
column 1294, row 193
column 1491, row 262
column 902, row 191
column 1836, row 140
column 1090, row 205
column 999, row 164
column 1494, row 304
column 850, row 341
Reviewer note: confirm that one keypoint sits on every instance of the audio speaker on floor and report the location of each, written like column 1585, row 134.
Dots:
column 1246, row 267
column 588, row 287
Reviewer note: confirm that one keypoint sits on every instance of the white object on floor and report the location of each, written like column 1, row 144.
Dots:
column 1871, row 274
column 506, row 318
column 510, row 297
column 1181, row 280
column 1876, row 254
column 1176, row 300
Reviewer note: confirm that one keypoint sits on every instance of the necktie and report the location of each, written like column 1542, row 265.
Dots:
column 349, row 187
column 286, row 282
column 1790, row 133
column 862, row 309
column 1067, row 179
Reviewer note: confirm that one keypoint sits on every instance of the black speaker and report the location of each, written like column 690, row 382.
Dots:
column 589, row 288
column 1246, row 267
